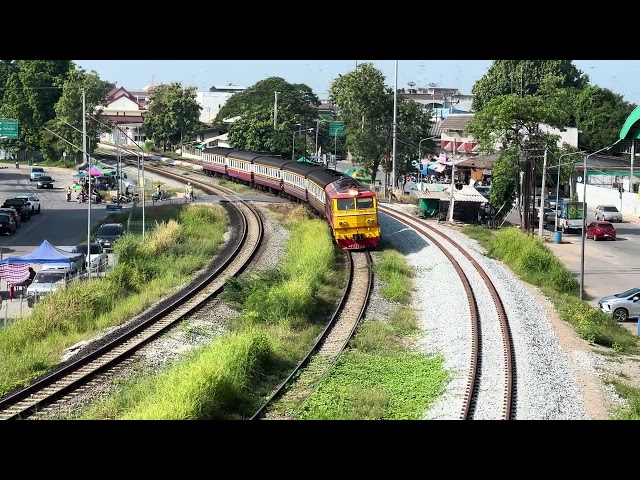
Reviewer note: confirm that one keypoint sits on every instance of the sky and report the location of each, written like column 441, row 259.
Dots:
column 616, row 75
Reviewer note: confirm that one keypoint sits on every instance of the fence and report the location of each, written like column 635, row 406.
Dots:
column 21, row 304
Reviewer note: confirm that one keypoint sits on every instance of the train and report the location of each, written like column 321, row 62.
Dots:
column 348, row 205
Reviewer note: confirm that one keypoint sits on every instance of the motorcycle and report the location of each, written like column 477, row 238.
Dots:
column 82, row 198
column 163, row 195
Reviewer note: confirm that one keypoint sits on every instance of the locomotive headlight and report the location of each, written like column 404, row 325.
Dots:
column 353, row 192
column 370, row 221
column 343, row 224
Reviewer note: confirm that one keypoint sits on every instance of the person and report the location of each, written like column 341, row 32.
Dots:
column 190, row 189
column 17, row 164
column 69, row 194
column 158, row 189
column 32, row 274
column 126, row 191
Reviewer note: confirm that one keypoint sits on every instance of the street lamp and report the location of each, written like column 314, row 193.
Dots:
column 584, row 215
column 558, row 182
column 293, row 148
column 142, row 162
column 420, row 151
column 453, row 176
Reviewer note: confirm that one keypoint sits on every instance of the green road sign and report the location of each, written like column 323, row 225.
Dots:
column 336, row 129
column 8, row 128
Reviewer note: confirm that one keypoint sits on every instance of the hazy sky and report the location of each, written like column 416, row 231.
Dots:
column 616, row 75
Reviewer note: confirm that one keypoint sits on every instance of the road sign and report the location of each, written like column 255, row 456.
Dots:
column 336, row 129
column 114, row 208
column 9, row 128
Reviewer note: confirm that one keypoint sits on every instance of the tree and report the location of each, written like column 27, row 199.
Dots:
column 599, row 116
column 511, row 124
column 32, row 89
column 68, row 111
column 365, row 105
column 254, row 130
column 524, row 78
column 173, row 114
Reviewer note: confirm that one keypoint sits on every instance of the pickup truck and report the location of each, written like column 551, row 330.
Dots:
column 21, row 205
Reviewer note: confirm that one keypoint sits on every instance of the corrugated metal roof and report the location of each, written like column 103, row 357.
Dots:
column 443, row 192
column 456, row 122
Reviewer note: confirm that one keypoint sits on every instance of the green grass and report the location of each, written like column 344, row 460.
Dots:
column 534, row 263
column 381, row 376
column 396, row 274
column 281, row 312
column 145, row 272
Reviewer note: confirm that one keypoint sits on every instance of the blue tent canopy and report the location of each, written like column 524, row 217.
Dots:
column 45, row 253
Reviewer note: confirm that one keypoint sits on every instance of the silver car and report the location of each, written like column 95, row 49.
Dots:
column 622, row 306
column 609, row 213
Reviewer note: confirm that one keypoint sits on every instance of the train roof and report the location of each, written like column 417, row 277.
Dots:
column 249, row 156
column 343, row 185
column 218, row 150
column 301, row 168
column 271, row 161
column 325, row 176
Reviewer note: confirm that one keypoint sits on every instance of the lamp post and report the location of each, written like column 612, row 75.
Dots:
column 451, row 200
column 558, row 182
column 584, row 215
column 420, row 151
column 141, row 161
column 293, row 148
column 395, row 121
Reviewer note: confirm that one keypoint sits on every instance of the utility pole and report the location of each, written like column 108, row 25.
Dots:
column 317, row 129
column 543, row 195
column 87, row 158
column 275, row 112
column 395, row 117
column 633, row 154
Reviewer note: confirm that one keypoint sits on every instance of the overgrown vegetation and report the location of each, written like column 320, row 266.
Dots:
column 145, row 272
column 534, row 263
column 381, row 376
column 280, row 313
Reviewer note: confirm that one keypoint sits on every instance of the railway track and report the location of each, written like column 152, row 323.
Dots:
column 109, row 357
column 479, row 326
column 291, row 395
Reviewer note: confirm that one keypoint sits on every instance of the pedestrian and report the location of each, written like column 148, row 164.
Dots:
column 158, row 189
column 190, row 188
column 32, row 274
column 69, row 194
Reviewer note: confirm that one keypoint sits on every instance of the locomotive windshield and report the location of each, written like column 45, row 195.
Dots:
column 365, row 202
column 346, row 204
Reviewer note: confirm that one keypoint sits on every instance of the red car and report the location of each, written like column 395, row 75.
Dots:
column 598, row 230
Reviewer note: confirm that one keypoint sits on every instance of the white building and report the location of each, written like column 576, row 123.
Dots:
column 213, row 100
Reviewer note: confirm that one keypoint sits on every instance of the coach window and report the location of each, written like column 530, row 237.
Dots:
column 346, row 204
column 366, row 202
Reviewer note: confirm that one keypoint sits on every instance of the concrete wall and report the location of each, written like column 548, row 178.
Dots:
column 596, row 195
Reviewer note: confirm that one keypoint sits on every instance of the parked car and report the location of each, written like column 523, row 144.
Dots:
column 35, row 173
column 108, row 234
column 32, row 201
column 608, row 212
column 14, row 213
column 98, row 257
column 45, row 181
column 21, row 205
column 549, row 216
column 7, row 224
column 622, row 306
column 50, row 278
column 600, row 230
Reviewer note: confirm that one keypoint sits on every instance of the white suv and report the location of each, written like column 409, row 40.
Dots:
column 32, row 201
column 35, row 173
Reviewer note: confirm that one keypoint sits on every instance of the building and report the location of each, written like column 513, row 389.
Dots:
column 213, row 100
column 126, row 109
